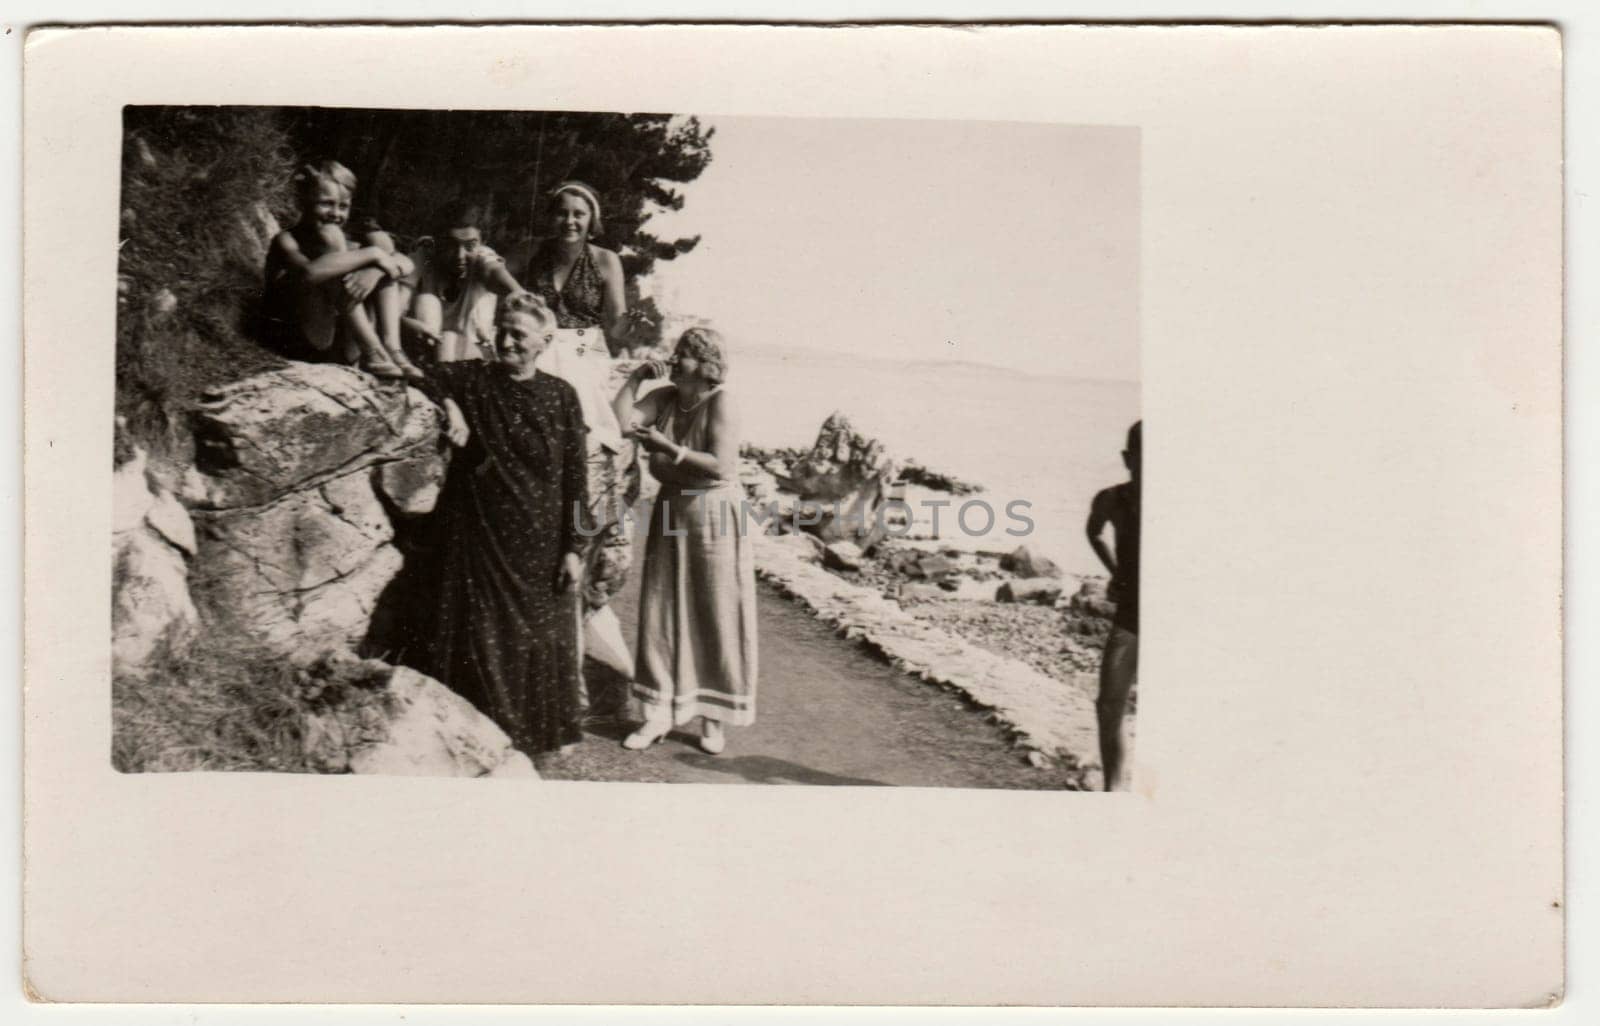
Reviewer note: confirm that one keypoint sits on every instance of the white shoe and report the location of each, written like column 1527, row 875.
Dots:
column 645, row 736
column 712, row 740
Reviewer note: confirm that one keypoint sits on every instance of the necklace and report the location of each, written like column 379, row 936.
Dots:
column 707, row 394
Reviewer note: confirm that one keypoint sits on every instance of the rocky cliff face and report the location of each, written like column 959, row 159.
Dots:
column 152, row 543
column 302, row 473
column 301, row 478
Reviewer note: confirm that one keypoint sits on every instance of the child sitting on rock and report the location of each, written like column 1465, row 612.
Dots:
column 328, row 297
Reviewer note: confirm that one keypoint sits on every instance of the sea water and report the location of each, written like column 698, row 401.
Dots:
column 1051, row 442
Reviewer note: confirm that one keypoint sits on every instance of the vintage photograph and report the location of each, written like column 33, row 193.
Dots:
column 617, row 406
column 612, row 446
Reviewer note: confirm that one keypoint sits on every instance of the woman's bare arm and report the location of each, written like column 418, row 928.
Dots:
column 613, row 302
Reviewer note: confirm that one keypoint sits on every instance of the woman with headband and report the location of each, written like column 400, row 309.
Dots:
column 581, row 283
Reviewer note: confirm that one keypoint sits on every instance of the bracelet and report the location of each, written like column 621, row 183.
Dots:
column 683, row 452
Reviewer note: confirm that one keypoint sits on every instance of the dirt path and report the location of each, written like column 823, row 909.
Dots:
column 827, row 712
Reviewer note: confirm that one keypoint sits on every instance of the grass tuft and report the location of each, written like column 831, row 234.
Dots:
column 226, row 703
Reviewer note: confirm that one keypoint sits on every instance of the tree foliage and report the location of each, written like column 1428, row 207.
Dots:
column 414, row 165
column 201, row 187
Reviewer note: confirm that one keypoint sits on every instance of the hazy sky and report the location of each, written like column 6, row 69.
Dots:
column 1004, row 243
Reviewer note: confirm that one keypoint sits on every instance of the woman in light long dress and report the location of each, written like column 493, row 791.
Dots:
column 696, row 655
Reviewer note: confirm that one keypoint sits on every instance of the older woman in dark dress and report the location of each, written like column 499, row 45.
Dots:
column 503, row 629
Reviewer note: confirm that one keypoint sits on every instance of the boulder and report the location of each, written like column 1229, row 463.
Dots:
column 516, row 766
column 151, row 542
column 760, row 487
column 1023, row 562
column 411, row 485
column 928, row 566
column 299, row 471
column 1041, row 590
column 167, row 517
column 294, row 428
column 842, row 555
column 1091, row 600
column 130, row 493
column 150, row 603
column 414, row 727
column 843, row 481
column 921, row 591
column 303, row 573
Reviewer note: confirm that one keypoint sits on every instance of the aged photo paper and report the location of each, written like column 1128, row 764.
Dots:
column 442, row 441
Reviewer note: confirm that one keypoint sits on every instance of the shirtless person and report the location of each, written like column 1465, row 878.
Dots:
column 458, row 285
column 1119, row 665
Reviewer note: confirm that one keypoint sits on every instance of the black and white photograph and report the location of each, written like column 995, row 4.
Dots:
column 604, row 446
column 441, row 441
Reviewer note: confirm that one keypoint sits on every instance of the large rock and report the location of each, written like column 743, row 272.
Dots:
column 291, row 429
column 1040, row 590
column 303, row 573
column 842, row 555
column 1024, row 562
column 1091, row 599
column 413, row 726
column 930, row 566
column 150, row 604
column 842, row 482
column 760, row 486
column 151, row 543
column 300, row 469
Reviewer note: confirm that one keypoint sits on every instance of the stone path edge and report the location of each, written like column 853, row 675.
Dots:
column 1045, row 714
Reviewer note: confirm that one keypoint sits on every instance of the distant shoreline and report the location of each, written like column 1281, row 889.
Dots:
column 785, row 351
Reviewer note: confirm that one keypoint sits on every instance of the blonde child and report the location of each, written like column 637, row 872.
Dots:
column 314, row 294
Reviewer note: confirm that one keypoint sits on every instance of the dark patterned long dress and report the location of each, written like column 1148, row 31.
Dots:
column 503, row 633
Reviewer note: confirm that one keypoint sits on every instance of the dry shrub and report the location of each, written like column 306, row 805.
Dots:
column 200, row 186
column 224, row 704
column 228, row 703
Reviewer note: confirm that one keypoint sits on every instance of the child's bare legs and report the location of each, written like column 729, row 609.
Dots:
column 428, row 313
column 1119, row 668
column 388, row 301
column 374, row 357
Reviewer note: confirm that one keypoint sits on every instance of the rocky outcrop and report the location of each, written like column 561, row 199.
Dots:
column 1042, row 591
column 1091, row 599
column 841, row 483
column 842, row 555
column 1024, row 562
column 403, row 724
column 152, row 544
column 301, row 473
